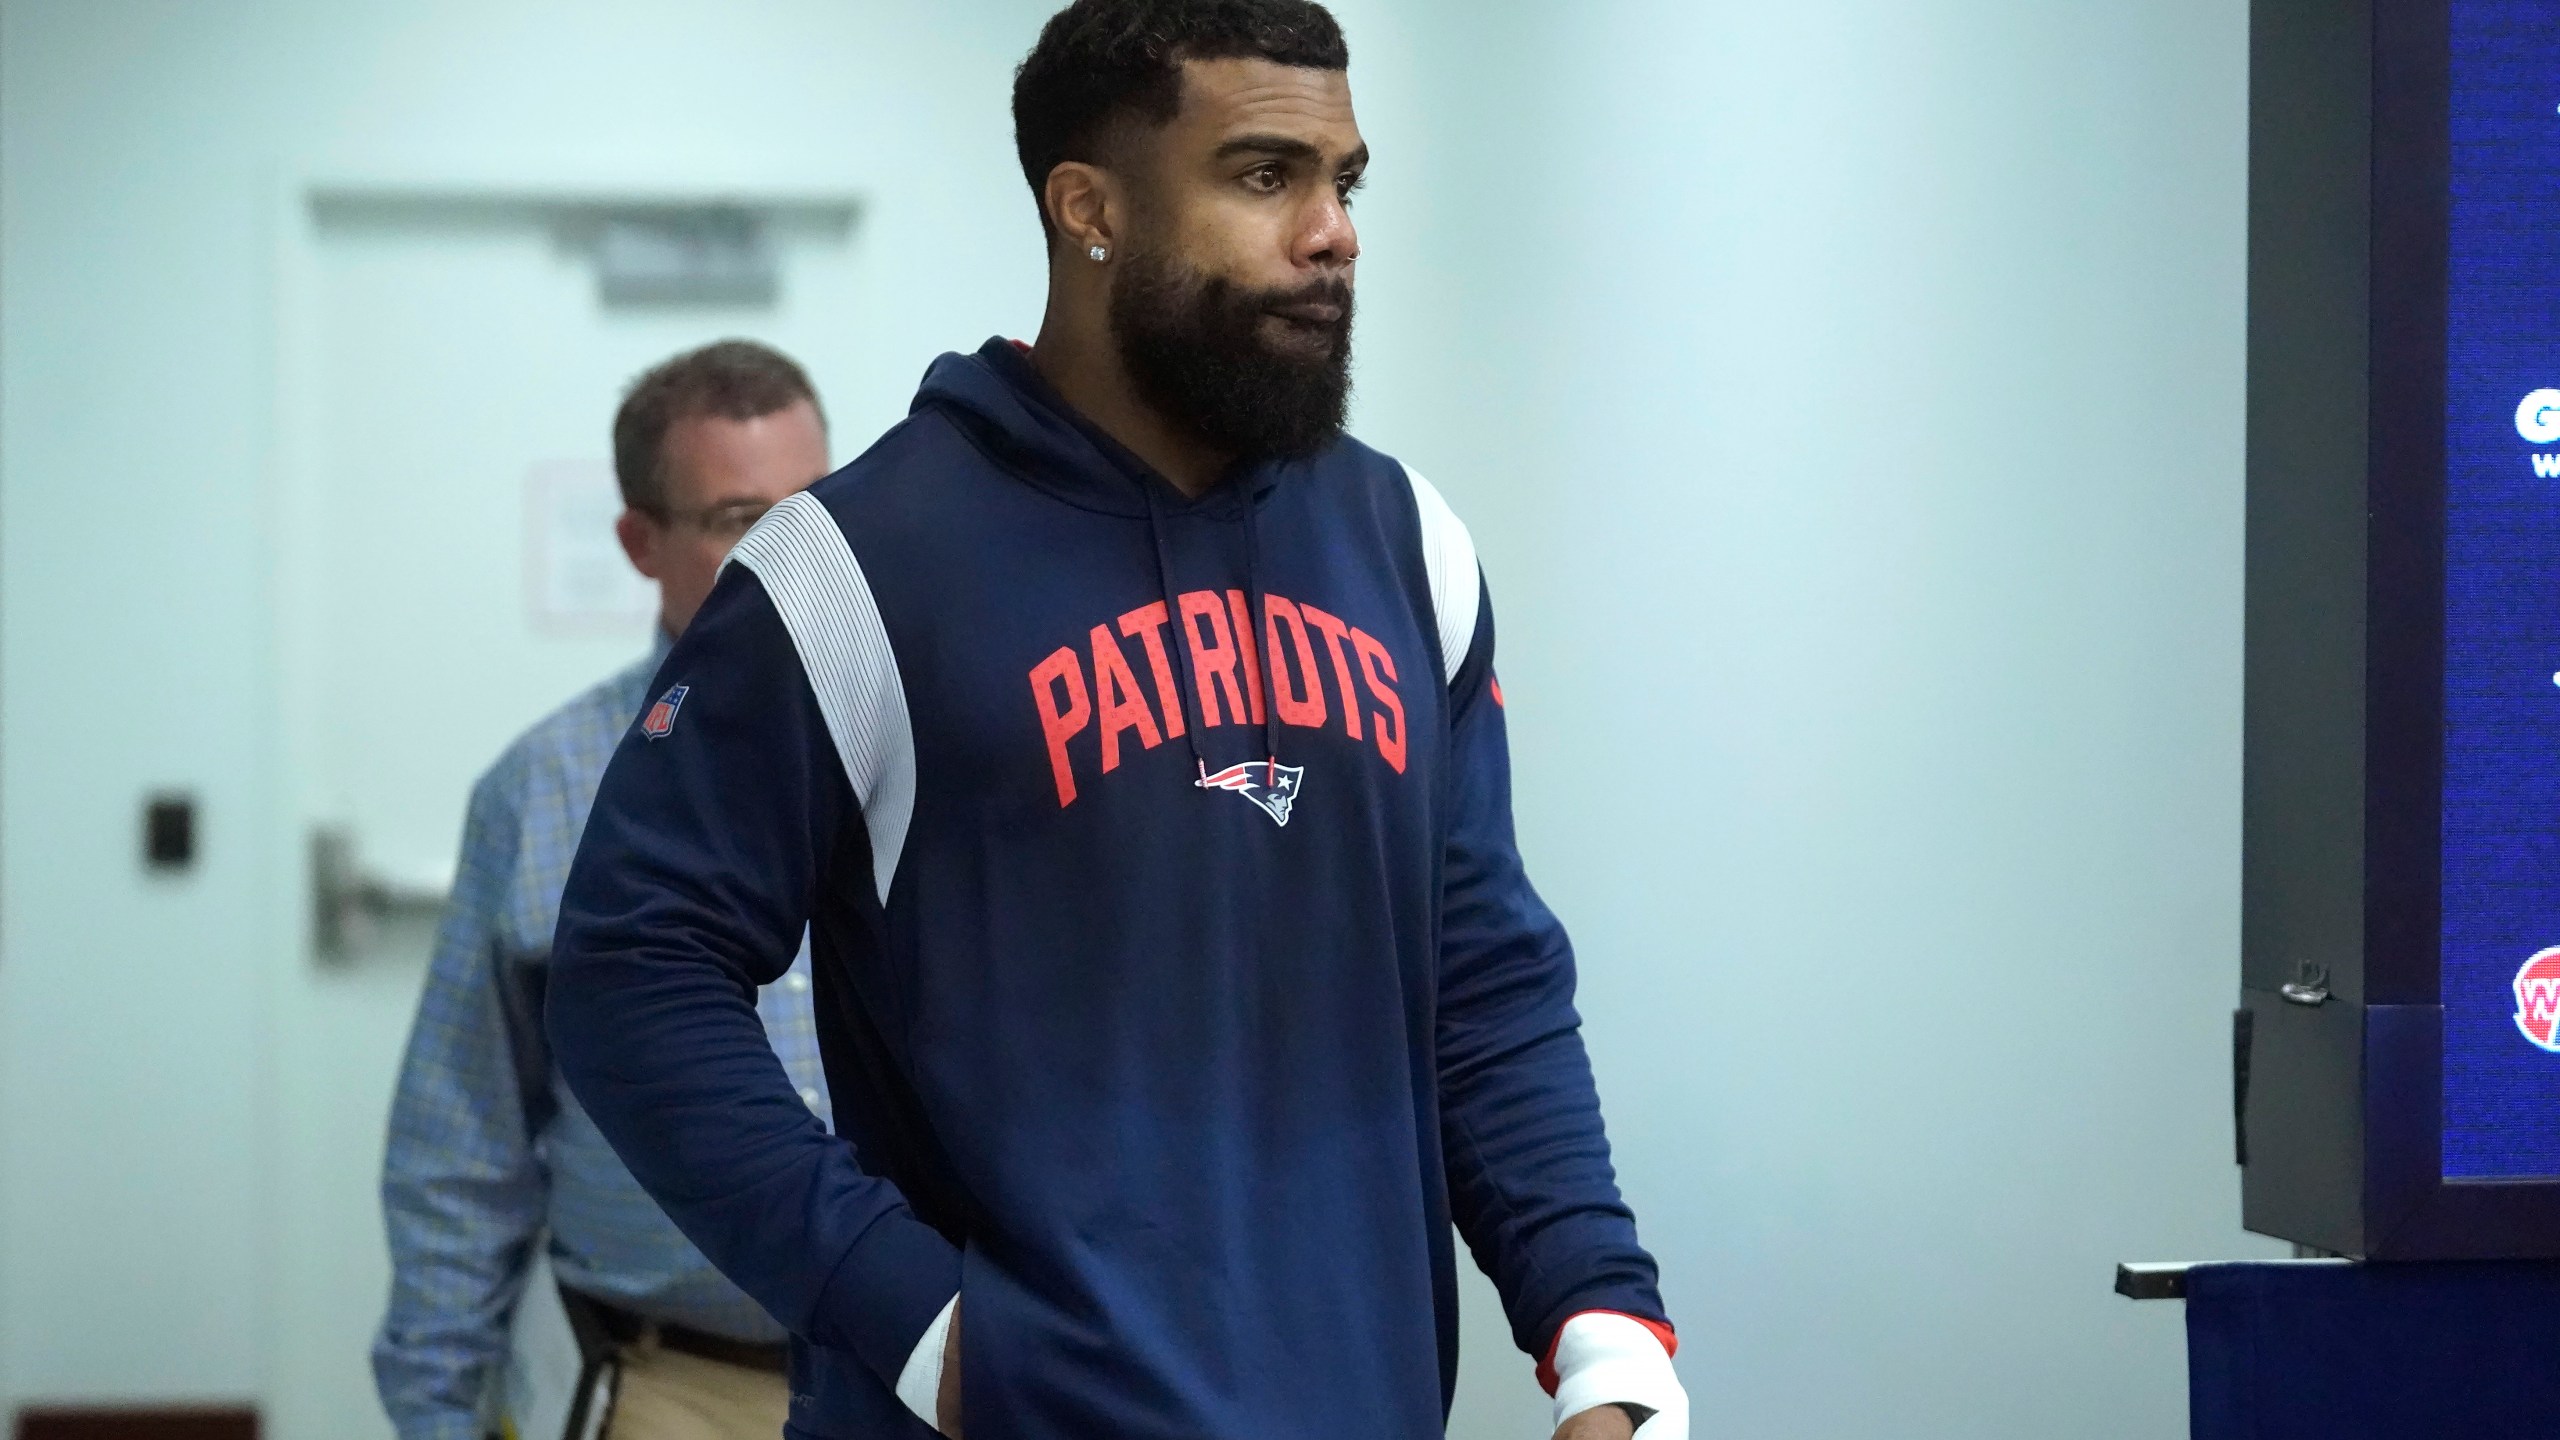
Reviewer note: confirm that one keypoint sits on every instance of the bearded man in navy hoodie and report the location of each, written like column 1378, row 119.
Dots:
column 1127, row 737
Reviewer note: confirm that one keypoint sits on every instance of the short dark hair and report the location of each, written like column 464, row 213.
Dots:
column 731, row 379
column 1101, row 63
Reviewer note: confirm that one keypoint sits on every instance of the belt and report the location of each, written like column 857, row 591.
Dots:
column 626, row 1328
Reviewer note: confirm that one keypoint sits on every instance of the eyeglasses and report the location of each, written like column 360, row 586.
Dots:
column 726, row 521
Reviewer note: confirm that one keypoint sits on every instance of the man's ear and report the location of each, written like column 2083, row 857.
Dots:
column 1084, row 204
column 639, row 535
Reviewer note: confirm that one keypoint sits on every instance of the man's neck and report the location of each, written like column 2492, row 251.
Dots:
column 1084, row 367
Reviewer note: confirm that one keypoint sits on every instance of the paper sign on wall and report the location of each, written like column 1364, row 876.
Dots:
column 577, row 578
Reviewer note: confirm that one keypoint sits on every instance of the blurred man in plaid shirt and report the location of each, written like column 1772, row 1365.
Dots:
column 489, row 1155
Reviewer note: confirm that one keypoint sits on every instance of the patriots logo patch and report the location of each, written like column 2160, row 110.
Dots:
column 1272, row 787
column 660, row 722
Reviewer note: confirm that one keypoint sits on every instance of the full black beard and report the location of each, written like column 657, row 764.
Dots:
column 1193, row 347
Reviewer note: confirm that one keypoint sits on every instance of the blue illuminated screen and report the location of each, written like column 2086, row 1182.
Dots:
column 2501, row 939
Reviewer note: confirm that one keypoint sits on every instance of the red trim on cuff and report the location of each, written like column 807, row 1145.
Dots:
column 1547, row 1377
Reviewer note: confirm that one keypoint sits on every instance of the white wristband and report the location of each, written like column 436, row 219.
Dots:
column 920, row 1379
column 1605, row 1359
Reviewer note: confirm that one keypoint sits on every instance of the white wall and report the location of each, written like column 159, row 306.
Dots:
column 1846, row 397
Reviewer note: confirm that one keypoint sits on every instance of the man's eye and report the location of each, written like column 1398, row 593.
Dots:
column 1346, row 186
column 1265, row 178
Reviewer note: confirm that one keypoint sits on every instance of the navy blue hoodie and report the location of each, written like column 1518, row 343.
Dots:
column 1177, row 978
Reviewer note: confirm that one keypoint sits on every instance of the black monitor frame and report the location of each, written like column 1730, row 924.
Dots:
column 2341, row 1040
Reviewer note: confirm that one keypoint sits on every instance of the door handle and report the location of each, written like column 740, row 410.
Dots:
column 349, row 900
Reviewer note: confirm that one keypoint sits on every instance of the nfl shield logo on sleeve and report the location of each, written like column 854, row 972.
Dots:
column 661, row 719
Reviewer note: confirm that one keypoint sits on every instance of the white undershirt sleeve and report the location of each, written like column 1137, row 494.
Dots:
column 920, row 1379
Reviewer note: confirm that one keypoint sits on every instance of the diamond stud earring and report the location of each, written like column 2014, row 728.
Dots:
column 1098, row 253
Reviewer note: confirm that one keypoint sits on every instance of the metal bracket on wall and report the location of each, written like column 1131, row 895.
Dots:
column 2141, row 1281
column 349, row 901
column 2310, row 985
column 2168, row 1280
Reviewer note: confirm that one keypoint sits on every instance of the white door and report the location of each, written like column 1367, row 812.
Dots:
column 447, row 375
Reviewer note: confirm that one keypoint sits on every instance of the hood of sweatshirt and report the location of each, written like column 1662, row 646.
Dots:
column 1004, row 406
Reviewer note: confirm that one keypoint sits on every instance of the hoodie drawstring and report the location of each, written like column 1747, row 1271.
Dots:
column 1193, row 713
column 1259, row 617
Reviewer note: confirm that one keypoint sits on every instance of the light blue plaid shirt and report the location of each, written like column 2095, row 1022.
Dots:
column 488, row 1150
